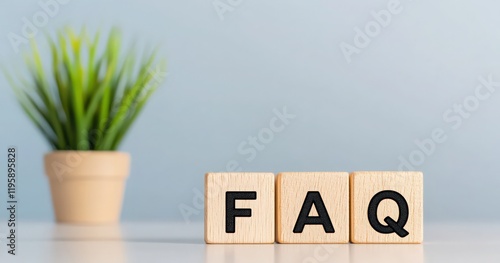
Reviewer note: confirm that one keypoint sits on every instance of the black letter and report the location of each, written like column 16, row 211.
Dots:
column 313, row 198
column 232, row 212
column 392, row 226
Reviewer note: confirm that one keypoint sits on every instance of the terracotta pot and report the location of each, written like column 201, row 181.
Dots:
column 87, row 186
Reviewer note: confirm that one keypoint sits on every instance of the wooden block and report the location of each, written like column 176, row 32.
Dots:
column 386, row 207
column 239, row 208
column 312, row 207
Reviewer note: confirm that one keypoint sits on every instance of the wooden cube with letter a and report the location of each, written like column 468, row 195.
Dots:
column 312, row 207
column 239, row 208
column 386, row 207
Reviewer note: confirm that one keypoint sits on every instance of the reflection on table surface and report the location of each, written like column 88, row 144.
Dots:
column 166, row 242
column 311, row 253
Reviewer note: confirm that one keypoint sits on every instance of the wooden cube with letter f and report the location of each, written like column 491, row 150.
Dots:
column 239, row 208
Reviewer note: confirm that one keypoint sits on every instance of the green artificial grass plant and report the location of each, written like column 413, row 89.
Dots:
column 90, row 94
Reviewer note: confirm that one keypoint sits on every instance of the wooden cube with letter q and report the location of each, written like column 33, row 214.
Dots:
column 386, row 207
column 312, row 207
column 239, row 208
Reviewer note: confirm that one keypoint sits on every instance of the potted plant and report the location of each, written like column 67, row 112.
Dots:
column 83, row 102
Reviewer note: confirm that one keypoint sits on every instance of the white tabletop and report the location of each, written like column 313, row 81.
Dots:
column 168, row 242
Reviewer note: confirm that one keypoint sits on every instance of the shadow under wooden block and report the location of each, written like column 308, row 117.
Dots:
column 387, row 253
column 240, row 253
column 386, row 207
column 312, row 253
column 239, row 208
column 312, row 207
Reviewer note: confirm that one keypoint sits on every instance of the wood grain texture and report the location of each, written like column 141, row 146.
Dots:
column 259, row 228
column 291, row 191
column 365, row 185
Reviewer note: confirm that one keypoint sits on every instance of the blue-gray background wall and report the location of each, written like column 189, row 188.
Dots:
column 226, row 77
